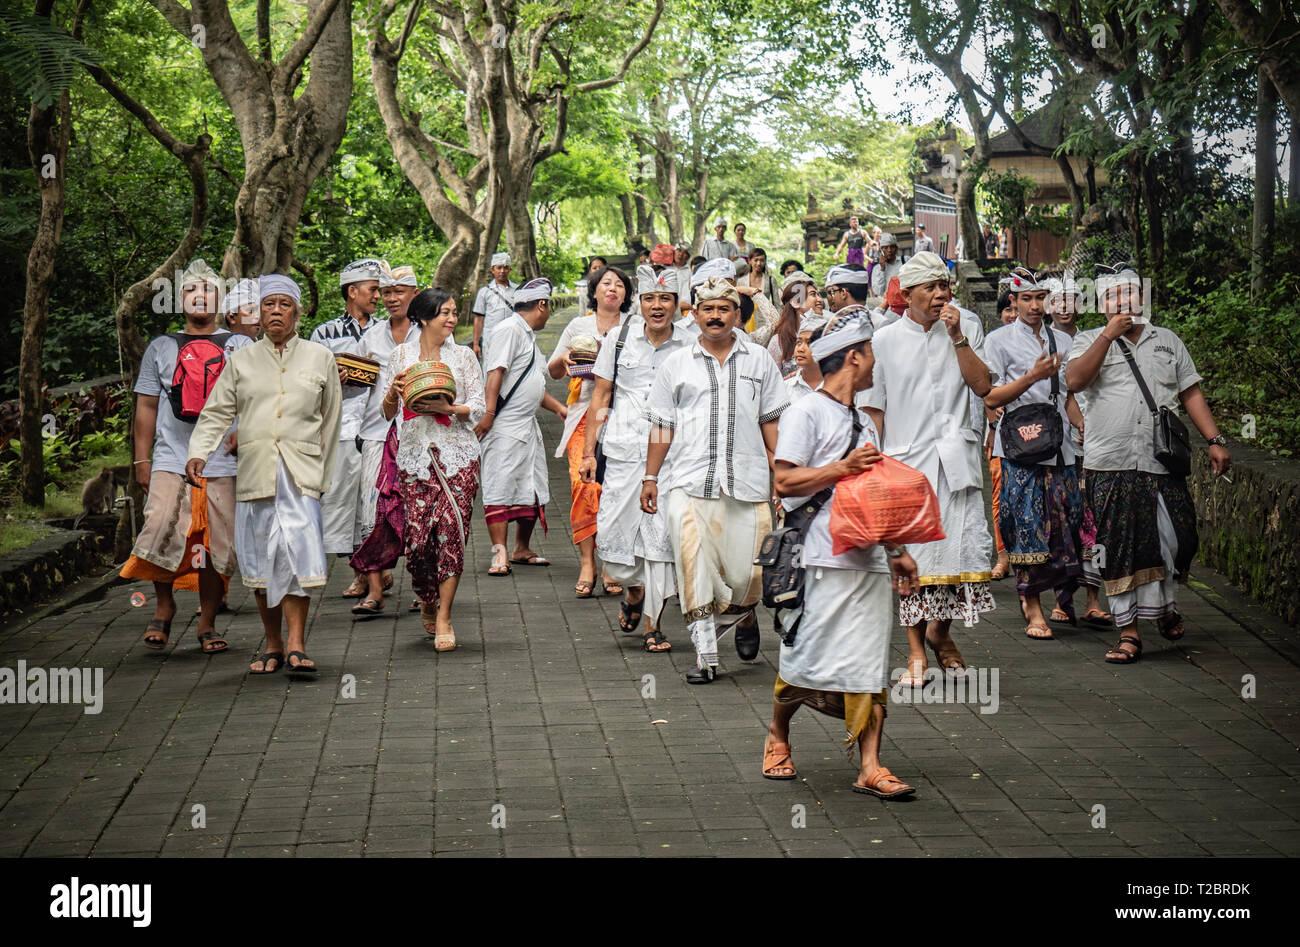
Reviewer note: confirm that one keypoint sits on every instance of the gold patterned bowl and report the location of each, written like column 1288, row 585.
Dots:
column 426, row 382
column 361, row 370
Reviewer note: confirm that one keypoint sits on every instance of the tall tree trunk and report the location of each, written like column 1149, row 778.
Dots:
column 1261, row 226
column 48, row 133
column 629, row 220
column 968, row 224
column 1293, row 162
column 287, row 137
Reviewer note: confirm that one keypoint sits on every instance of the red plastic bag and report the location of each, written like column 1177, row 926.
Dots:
column 889, row 502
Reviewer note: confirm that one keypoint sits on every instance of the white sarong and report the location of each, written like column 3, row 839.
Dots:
column 372, row 455
column 843, row 639
column 339, row 505
column 279, row 542
column 714, row 545
column 514, row 469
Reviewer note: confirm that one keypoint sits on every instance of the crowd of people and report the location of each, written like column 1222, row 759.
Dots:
column 706, row 399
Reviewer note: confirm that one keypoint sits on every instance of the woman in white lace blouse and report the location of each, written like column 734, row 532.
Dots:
column 437, row 460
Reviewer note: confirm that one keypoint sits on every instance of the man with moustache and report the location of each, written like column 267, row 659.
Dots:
column 716, row 404
column 188, row 527
column 287, row 395
column 928, row 363
column 1143, row 512
column 397, row 287
column 340, row 506
column 634, row 545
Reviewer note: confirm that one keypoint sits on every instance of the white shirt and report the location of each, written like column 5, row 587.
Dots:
column 882, row 273
column 456, row 443
column 627, row 429
column 510, row 347
column 579, row 326
column 494, row 303
column 715, row 411
column 1010, row 352
column 931, row 420
column 813, row 433
column 796, row 387
column 378, row 343
column 1118, row 425
column 923, row 245
column 714, row 249
column 344, row 334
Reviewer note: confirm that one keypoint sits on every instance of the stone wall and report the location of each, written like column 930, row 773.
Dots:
column 34, row 576
column 1250, row 528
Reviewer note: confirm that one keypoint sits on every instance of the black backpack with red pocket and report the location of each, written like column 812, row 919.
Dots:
column 199, row 361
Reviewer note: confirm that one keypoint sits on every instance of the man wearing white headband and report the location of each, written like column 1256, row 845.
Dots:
column 242, row 309
column 341, row 506
column 634, row 545
column 886, row 267
column 494, row 303
column 286, row 393
column 718, row 247
column 715, row 405
column 837, row 667
column 1040, row 508
column 176, row 376
column 929, row 377
column 758, row 315
column 1142, row 510
column 515, row 485
column 397, row 287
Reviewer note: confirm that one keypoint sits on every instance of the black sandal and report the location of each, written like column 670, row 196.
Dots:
column 301, row 668
column 629, row 615
column 747, row 637
column 655, row 637
column 153, row 631
column 1131, row 656
column 213, row 636
column 1167, row 630
column 276, row 656
column 369, row 606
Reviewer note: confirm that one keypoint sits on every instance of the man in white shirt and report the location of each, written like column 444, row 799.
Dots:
column 846, row 293
column 834, row 663
column 887, row 267
column 1040, row 508
column 1145, row 519
column 494, row 303
column 514, row 457
column 634, row 545
column 717, row 400
column 928, row 363
column 397, row 287
column 340, row 507
column 718, row 247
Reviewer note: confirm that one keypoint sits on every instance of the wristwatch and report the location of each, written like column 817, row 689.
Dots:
column 1217, row 440
column 896, row 552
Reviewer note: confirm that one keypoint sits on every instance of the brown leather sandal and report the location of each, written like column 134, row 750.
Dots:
column 776, row 756
column 156, row 634
column 884, row 785
column 947, row 656
column 1171, row 630
column 1130, row 657
column 212, row 642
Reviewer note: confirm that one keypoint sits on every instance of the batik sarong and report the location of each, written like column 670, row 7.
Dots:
column 1041, row 518
column 436, row 526
column 385, row 544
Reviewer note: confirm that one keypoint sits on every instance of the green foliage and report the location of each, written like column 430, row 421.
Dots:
column 39, row 57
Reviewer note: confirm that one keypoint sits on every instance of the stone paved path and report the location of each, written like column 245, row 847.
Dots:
column 542, row 710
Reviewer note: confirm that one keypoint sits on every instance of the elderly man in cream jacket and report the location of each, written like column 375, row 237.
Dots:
column 286, row 393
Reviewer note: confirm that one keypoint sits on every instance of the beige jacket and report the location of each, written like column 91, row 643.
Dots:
column 289, row 405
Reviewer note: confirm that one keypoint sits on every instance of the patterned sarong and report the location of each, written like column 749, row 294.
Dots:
column 437, row 525
column 1041, row 517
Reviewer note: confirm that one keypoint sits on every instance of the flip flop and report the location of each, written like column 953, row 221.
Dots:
column 882, row 777
column 1095, row 616
column 531, row 561
column 369, row 606
column 276, row 656
column 498, row 573
column 415, row 606
column 1060, row 616
column 212, row 637
column 153, row 630
column 300, row 668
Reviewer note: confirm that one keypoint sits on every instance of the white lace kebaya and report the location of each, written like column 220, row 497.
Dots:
column 456, row 443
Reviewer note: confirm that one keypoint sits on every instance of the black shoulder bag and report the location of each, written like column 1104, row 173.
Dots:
column 1033, row 433
column 613, row 390
column 503, row 400
column 781, row 554
column 1173, row 447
